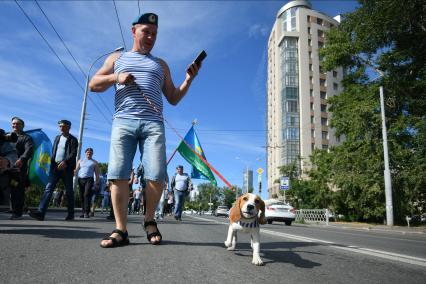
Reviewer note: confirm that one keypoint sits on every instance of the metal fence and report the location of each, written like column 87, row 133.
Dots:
column 313, row 215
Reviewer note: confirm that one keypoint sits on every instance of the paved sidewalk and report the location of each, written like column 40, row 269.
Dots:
column 373, row 227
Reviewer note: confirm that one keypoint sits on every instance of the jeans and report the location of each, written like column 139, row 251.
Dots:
column 86, row 185
column 105, row 203
column 17, row 191
column 159, row 210
column 54, row 175
column 179, row 202
column 137, row 205
column 126, row 136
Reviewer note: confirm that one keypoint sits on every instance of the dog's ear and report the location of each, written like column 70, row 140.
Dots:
column 262, row 219
column 235, row 212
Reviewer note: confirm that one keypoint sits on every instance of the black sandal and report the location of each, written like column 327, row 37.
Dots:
column 153, row 234
column 117, row 243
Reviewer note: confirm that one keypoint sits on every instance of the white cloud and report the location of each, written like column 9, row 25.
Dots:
column 258, row 30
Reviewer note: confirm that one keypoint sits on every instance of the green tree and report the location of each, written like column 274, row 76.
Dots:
column 103, row 167
column 380, row 35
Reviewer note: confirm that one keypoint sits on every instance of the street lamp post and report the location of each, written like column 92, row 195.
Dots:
column 83, row 107
column 387, row 175
column 388, row 181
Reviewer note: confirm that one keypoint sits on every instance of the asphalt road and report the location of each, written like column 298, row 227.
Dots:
column 55, row 251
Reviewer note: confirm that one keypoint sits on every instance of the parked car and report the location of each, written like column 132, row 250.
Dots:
column 277, row 210
column 221, row 211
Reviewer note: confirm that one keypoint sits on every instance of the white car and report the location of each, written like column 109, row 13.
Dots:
column 222, row 211
column 277, row 210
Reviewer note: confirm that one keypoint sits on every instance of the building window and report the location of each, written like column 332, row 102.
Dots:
column 323, row 83
column 292, row 133
column 323, row 95
column 319, row 21
column 324, row 121
column 312, row 146
column 325, row 147
column 313, row 133
column 323, row 107
column 310, row 67
column 335, row 86
column 292, row 120
column 320, row 33
column 309, row 30
column 311, row 92
column 312, row 106
column 334, row 74
column 292, row 106
column 289, row 20
column 309, row 42
column 324, row 135
column 312, row 120
column 308, row 18
column 291, row 93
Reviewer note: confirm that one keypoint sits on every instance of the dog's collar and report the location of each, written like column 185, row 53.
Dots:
column 252, row 224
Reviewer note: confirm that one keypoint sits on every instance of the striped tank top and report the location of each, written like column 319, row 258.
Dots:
column 149, row 76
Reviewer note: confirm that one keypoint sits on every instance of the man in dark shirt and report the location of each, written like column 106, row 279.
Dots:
column 24, row 150
column 62, row 166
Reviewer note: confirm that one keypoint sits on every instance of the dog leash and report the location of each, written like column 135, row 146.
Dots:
column 181, row 138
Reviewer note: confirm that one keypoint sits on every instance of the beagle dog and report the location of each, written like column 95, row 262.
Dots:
column 246, row 215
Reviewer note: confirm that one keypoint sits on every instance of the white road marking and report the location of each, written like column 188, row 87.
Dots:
column 371, row 252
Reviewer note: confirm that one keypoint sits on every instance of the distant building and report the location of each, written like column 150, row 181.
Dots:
column 298, row 88
column 247, row 180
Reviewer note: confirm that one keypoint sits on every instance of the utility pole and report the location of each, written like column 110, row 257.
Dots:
column 388, row 181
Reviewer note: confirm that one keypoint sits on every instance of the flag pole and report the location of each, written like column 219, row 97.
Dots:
column 171, row 157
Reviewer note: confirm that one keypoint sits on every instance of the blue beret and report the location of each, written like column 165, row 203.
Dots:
column 147, row 18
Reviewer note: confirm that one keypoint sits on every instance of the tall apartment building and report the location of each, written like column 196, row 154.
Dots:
column 297, row 113
column 247, row 180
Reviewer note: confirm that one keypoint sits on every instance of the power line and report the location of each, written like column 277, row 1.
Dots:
column 119, row 24
column 69, row 52
column 57, row 56
column 139, row 8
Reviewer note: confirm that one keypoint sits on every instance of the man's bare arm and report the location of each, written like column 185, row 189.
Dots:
column 173, row 94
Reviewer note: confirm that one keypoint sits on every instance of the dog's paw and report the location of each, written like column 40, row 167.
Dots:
column 257, row 260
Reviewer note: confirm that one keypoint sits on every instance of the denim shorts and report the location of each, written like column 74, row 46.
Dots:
column 126, row 135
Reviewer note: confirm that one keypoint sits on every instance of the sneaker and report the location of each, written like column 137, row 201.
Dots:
column 15, row 217
column 36, row 215
column 69, row 218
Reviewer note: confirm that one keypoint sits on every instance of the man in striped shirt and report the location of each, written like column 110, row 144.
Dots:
column 139, row 79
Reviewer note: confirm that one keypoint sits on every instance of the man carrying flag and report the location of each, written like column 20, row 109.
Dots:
column 62, row 165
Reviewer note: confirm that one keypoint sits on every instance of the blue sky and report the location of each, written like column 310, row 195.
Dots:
column 228, row 98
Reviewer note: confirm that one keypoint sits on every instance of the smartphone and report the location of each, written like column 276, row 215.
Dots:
column 200, row 58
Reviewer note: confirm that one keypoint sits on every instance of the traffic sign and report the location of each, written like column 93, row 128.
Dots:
column 284, row 183
column 259, row 171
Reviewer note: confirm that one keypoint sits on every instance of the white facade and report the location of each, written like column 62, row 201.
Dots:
column 297, row 112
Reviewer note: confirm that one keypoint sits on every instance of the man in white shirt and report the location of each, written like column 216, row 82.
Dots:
column 181, row 185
